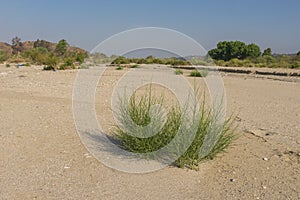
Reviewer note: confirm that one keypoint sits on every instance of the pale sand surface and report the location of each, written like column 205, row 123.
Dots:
column 42, row 157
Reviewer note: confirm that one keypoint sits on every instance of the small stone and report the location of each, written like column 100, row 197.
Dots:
column 264, row 187
column 232, row 180
column 265, row 159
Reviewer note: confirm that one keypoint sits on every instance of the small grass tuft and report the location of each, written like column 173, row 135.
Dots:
column 199, row 73
column 178, row 72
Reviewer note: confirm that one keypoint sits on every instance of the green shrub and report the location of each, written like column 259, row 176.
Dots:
column 3, row 56
column 139, row 113
column 83, row 66
column 119, row 68
column 295, row 65
column 134, row 66
column 7, row 65
column 220, row 62
column 235, row 62
column 178, row 72
column 199, row 73
column 151, row 60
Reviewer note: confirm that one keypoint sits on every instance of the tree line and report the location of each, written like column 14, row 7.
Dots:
column 238, row 54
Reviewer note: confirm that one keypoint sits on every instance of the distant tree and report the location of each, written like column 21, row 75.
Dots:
column 15, row 41
column 298, row 54
column 253, row 51
column 17, row 45
column 227, row 50
column 61, row 47
column 267, row 52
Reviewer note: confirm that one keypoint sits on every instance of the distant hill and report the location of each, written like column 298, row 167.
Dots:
column 6, row 48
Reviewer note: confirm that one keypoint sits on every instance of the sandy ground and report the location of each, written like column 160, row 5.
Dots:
column 42, row 157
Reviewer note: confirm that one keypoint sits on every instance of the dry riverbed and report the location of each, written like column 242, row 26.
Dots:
column 42, row 157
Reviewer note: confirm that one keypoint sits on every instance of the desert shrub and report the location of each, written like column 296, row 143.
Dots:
column 195, row 73
column 38, row 55
column 7, row 65
column 119, row 68
column 178, row 71
column 134, row 66
column 121, row 60
column 220, row 62
column 139, row 112
column 295, row 65
column 51, row 60
column 3, row 56
column 235, row 62
column 79, row 57
column 151, row 60
column 83, row 66
column 68, row 64
column 199, row 73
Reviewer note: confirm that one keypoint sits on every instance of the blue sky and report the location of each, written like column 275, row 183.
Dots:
column 82, row 23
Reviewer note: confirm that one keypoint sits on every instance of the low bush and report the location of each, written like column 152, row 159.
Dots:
column 119, row 68
column 151, row 60
column 3, row 56
column 199, row 73
column 138, row 110
column 178, row 72
column 134, row 66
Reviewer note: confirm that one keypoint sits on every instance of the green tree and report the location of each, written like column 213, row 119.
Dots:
column 267, row 52
column 61, row 47
column 253, row 51
column 298, row 54
column 227, row 50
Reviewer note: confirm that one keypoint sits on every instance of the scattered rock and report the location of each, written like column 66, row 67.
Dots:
column 265, row 159
column 3, row 74
column 66, row 167
column 87, row 155
column 232, row 180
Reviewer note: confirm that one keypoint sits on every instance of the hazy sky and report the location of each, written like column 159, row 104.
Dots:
column 269, row 23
